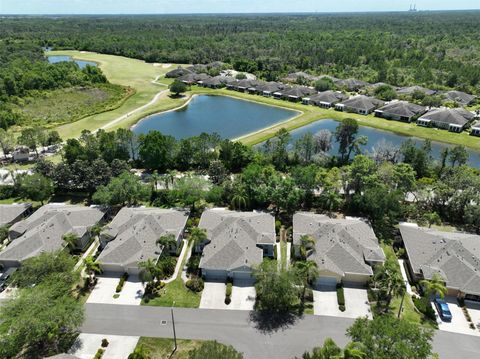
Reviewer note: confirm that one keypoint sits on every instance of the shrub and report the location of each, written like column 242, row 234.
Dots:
column 340, row 295
column 192, row 265
column 423, row 305
column 309, row 295
column 166, row 265
column 341, row 307
column 105, row 343
column 195, row 284
column 99, row 353
column 154, row 288
column 228, row 300
column 278, row 226
column 121, row 282
column 275, row 252
column 228, row 290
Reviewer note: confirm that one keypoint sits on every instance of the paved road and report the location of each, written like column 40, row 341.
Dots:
column 236, row 328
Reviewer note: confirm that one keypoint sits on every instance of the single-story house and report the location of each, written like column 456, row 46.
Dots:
column 475, row 129
column 267, row 89
column 237, row 241
column 454, row 256
column 296, row 93
column 361, row 104
column 400, row 111
column 325, row 99
column 12, row 213
column 345, row 249
column 131, row 237
column 178, row 72
column 411, row 89
column 43, row 231
column 198, row 68
column 459, row 97
column 242, row 85
column 351, row 84
column 191, row 79
column 452, row 119
column 21, row 154
column 295, row 77
column 280, row 93
column 217, row 81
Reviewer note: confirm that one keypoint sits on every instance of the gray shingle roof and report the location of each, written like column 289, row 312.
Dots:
column 193, row 77
column 180, row 71
column 43, row 230
column 299, row 91
column 233, row 238
column 341, row 245
column 459, row 97
column 10, row 212
column 455, row 256
column 270, row 87
column 134, row 232
column 457, row 116
column 411, row 89
column 330, row 97
column 402, row 108
column 351, row 84
column 293, row 77
column 362, row 102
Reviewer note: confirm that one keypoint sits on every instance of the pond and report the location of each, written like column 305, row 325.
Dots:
column 375, row 136
column 60, row 58
column 230, row 118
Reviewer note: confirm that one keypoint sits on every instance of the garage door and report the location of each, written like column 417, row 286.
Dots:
column 214, row 275
column 242, row 275
column 330, row 282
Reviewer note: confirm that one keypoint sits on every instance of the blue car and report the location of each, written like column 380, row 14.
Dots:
column 443, row 310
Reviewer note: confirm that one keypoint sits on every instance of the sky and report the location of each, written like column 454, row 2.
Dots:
column 221, row 6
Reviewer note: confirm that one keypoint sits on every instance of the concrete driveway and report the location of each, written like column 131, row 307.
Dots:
column 243, row 295
column 119, row 347
column 104, row 291
column 356, row 303
column 459, row 323
column 213, row 296
column 474, row 311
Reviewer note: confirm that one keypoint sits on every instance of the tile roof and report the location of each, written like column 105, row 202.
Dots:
column 43, row 231
column 341, row 245
column 134, row 231
column 455, row 256
column 233, row 238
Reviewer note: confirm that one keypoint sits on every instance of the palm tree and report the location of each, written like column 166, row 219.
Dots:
column 307, row 272
column 169, row 178
column 307, row 245
column 434, row 286
column 154, row 178
column 390, row 281
column 239, row 201
column 92, row 268
column 198, row 236
column 354, row 350
column 167, row 242
column 71, row 239
column 148, row 271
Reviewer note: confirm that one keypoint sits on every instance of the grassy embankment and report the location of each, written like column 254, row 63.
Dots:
column 139, row 75
column 160, row 348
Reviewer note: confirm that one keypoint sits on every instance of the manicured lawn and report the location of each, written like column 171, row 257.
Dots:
column 176, row 292
column 161, row 348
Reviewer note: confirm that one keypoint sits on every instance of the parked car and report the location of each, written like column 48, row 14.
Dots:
column 443, row 310
column 4, row 278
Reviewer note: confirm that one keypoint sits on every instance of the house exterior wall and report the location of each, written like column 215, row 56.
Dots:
column 355, row 279
column 214, row 274
column 268, row 249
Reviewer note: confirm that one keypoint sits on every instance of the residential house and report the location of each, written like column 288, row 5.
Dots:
column 178, row 72
column 411, row 89
column 325, row 99
column 237, row 242
column 217, row 81
column 475, row 129
column 12, row 213
column 21, row 154
column 191, row 79
column 400, row 111
column 361, row 104
column 279, row 95
column 132, row 237
column 452, row 119
column 44, row 230
column 459, row 97
column 454, row 256
column 345, row 249
column 299, row 77
column 267, row 89
column 297, row 93
column 351, row 84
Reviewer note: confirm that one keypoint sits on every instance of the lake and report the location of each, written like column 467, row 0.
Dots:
column 375, row 136
column 81, row 63
column 230, row 118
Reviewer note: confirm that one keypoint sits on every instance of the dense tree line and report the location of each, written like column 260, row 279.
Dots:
column 24, row 70
column 434, row 49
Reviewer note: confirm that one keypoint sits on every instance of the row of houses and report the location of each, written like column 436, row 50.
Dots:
column 345, row 249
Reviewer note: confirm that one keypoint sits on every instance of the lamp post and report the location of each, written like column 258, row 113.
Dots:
column 174, row 333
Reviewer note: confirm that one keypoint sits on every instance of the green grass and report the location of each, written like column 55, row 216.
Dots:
column 54, row 108
column 161, row 348
column 176, row 292
column 121, row 71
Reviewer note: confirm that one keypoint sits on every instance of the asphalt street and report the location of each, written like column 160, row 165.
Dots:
column 246, row 334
